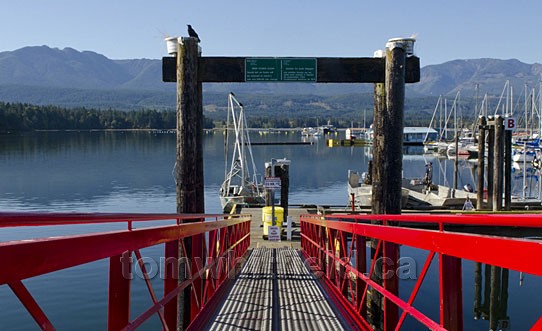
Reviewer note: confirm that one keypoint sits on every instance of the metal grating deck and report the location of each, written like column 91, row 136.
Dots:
column 275, row 291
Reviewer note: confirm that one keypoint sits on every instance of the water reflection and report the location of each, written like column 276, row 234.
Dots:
column 493, row 304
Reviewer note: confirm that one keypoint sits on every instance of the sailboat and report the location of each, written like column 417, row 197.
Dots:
column 241, row 186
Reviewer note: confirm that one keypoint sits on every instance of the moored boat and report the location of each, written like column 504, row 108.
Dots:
column 241, row 186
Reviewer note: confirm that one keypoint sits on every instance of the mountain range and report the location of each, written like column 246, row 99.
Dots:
column 72, row 78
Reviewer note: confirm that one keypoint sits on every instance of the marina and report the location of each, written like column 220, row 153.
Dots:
column 148, row 188
column 209, row 250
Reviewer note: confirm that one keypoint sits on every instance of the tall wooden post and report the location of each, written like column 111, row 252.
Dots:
column 388, row 161
column 481, row 163
column 498, row 164
column 374, row 313
column 189, row 161
column 490, row 161
column 507, row 170
column 378, row 176
column 284, row 174
column 267, row 173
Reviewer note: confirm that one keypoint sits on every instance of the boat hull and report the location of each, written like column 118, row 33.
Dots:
column 228, row 202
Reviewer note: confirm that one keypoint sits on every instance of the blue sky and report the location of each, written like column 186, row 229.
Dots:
column 121, row 29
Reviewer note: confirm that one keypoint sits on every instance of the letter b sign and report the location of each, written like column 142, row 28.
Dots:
column 510, row 123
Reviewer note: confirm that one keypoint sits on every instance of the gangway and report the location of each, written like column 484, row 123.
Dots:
column 327, row 284
column 276, row 291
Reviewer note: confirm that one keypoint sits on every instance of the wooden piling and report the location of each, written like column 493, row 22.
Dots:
column 387, row 168
column 495, row 293
column 267, row 195
column 377, row 175
column 507, row 169
column 374, row 298
column 477, row 290
column 396, row 55
column 284, row 174
column 481, row 163
column 490, row 161
column 451, row 292
column 498, row 164
column 189, row 160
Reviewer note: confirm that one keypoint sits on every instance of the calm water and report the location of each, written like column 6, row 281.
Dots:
column 132, row 172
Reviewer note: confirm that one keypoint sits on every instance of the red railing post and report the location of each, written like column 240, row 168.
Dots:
column 212, row 276
column 198, row 262
column 321, row 238
column 391, row 283
column 451, row 293
column 344, row 278
column 171, row 279
column 361, row 266
column 120, row 275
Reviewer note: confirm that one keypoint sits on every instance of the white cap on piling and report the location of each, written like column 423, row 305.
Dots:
column 379, row 53
column 171, row 44
column 405, row 43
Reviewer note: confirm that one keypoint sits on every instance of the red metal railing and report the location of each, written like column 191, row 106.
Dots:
column 330, row 243
column 206, row 247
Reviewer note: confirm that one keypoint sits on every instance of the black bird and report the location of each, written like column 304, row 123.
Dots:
column 192, row 33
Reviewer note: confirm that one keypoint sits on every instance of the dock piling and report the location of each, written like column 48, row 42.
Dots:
column 189, row 163
column 481, row 163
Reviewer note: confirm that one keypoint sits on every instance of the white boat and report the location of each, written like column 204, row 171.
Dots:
column 415, row 193
column 439, row 147
column 412, row 135
column 464, row 147
column 362, row 191
column 241, row 186
column 521, row 155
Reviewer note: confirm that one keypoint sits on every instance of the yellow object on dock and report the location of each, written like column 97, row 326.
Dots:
column 347, row 142
column 267, row 219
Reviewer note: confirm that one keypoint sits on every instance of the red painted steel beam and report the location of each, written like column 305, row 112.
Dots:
column 51, row 254
column 45, row 219
column 168, row 297
column 31, row 306
column 361, row 267
column 516, row 220
column 417, row 287
column 198, row 261
column 147, row 279
column 338, row 299
column 390, row 296
column 537, row 325
column 119, row 291
column 510, row 253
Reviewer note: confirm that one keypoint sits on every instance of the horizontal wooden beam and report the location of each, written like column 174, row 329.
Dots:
column 329, row 70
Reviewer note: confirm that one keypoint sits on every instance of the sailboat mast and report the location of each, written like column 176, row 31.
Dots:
column 242, row 147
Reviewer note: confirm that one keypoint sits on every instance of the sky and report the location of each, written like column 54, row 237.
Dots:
column 122, row 29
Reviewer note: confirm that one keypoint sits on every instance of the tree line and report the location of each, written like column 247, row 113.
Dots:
column 27, row 117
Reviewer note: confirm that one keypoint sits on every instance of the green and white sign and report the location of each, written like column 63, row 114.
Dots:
column 280, row 70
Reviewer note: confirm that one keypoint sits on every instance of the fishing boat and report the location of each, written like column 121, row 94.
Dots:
column 241, row 186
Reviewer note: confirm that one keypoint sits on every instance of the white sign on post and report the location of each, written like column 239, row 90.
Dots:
column 272, row 183
column 273, row 233
column 510, row 123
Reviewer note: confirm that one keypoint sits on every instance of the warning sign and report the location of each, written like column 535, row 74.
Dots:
column 274, row 233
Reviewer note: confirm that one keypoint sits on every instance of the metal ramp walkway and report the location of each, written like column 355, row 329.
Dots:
column 276, row 291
